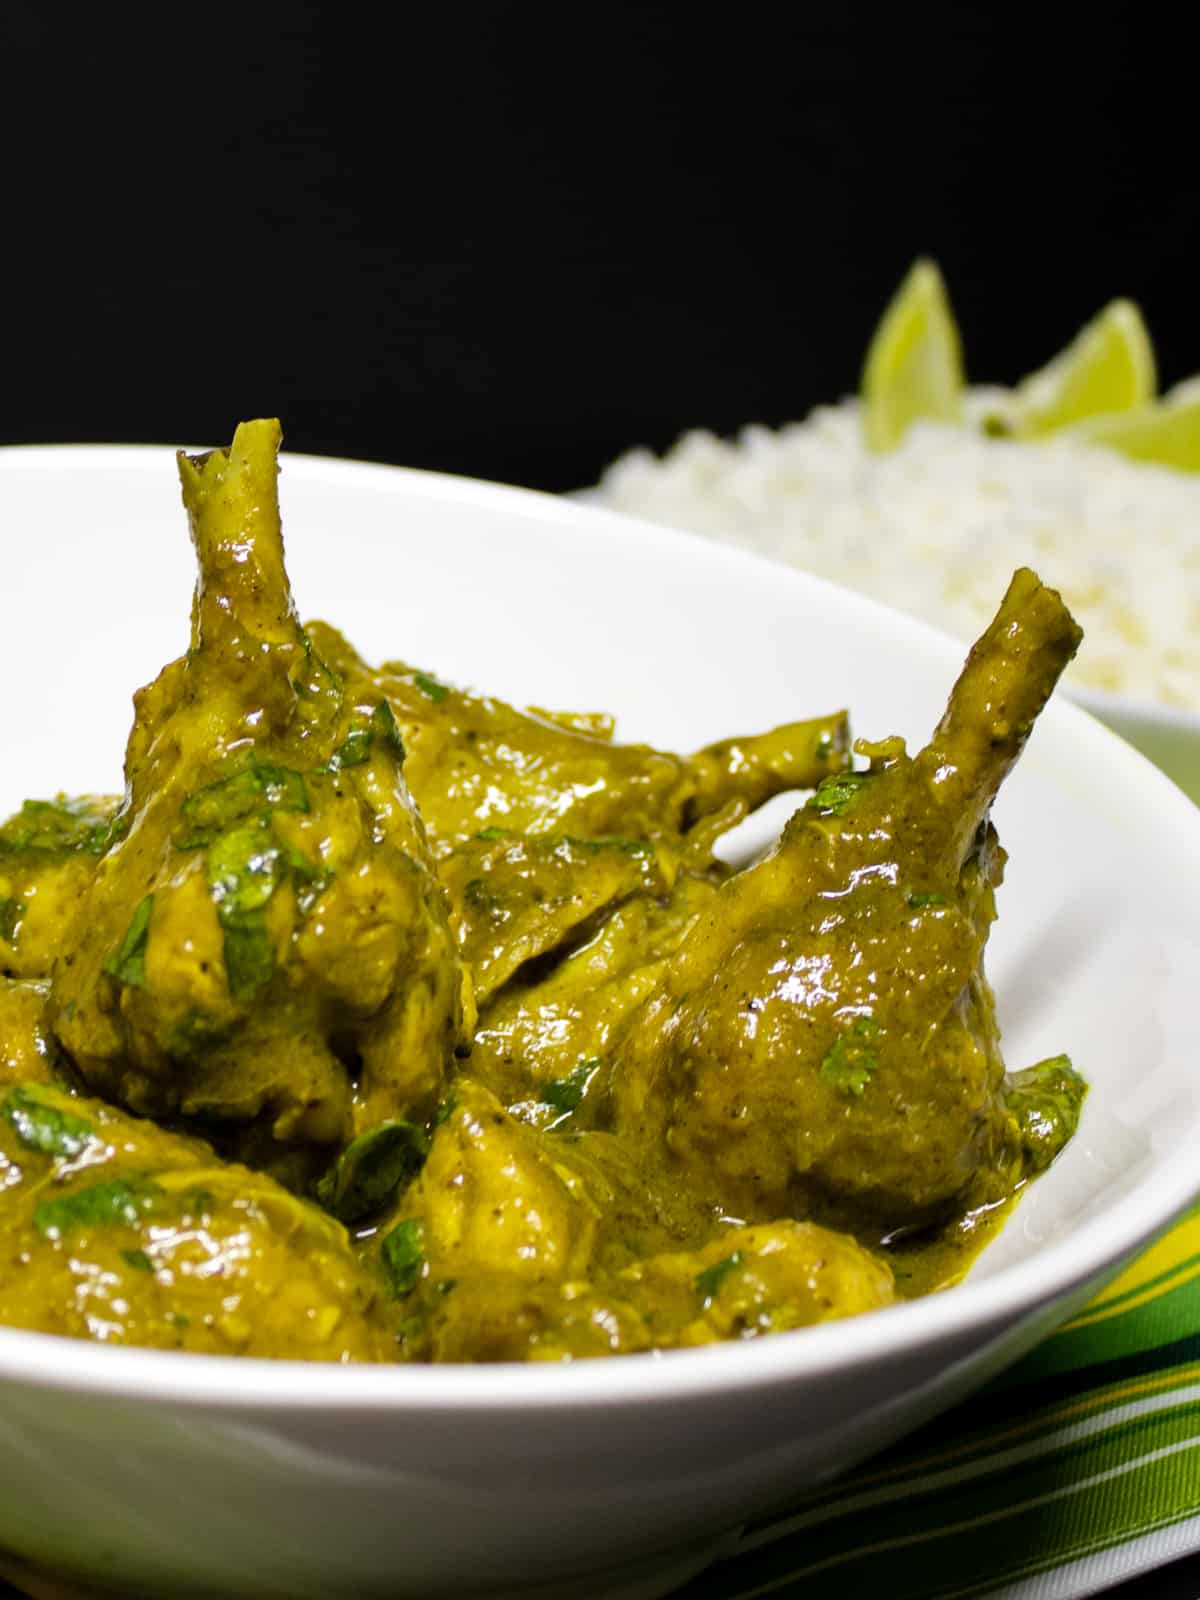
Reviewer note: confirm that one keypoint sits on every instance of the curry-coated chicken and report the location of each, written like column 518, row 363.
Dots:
column 516, row 1245
column 380, row 1020
column 825, row 1038
column 540, row 822
column 120, row 1231
column 265, row 941
column 48, row 857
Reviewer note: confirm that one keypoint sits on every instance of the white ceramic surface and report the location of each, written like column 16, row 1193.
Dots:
column 195, row 1475
column 1169, row 736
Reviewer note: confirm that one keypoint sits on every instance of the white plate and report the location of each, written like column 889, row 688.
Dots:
column 204, row 1475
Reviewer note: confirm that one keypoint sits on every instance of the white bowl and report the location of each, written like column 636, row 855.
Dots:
column 1168, row 736
column 170, row 1474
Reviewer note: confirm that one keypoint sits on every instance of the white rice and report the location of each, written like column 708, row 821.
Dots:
column 937, row 526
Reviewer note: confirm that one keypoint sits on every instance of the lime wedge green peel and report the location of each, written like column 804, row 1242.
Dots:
column 914, row 367
column 1100, row 390
column 1166, row 433
column 1109, row 367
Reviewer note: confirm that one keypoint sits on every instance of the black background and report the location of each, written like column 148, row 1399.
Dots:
column 511, row 240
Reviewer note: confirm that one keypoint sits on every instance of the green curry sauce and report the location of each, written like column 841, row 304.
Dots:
column 382, row 1021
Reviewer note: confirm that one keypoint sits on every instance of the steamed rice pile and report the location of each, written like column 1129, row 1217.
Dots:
column 937, row 526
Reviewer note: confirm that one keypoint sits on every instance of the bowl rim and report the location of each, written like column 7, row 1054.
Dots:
column 982, row 1308
column 1105, row 705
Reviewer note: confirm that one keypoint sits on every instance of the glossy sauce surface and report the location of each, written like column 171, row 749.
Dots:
column 379, row 1020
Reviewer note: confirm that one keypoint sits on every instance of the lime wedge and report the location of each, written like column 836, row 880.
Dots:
column 914, row 364
column 1166, row 432
column 1108, row 367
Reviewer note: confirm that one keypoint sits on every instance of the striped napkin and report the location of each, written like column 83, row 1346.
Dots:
column 1076, row 1468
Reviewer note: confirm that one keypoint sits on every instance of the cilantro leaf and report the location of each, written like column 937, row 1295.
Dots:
column 372, row 1168
column 383, row 721
column 918, row 902
column 260, row 788
column 708, row 1282
column 353, row 750
column 837, row 793
column 360, row 741
column 565, row 1094
column 851, row 1059
column 42, row 1127
column 608, row 841
column 245, row 867
column 138, row 1260
column 10, row 917
column 249, row 956
column 117, row 1202
column 436, row 691
column 127, row 963
column 403, row 1256
column 64, row 826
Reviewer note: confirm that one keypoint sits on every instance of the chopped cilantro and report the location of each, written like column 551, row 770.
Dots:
column 353, row 750
column 918, row 902
column 249, row 955
column 491, row 834
column 10, row 917
column 445, row 1111
column 835, row 794
column 360, row 741
column 372, row 1168
column 383, row 722
column 403, row 1255
column 851, row 1059
column 245, row 867
column 64, row 826
column 261, row 787
column 708, row 1283
column 138, row 1260
column 436, row 691
column 127, row 963
column 310, row 881
column 565, row 1094
column 44, row 1127
column 119, row 1201
column 608, row 841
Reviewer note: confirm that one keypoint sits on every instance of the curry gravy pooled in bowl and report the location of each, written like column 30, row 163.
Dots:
column 380, row 1021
